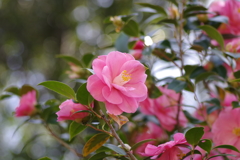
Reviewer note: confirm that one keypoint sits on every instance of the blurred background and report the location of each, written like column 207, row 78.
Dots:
column 32, row 34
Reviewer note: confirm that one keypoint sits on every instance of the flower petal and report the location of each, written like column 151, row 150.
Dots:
column 113, row 109
column 95, row 86
column 112, row 96
column 128, row 105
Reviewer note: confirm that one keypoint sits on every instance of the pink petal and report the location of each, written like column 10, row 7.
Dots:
column 97, row 66
column 112, row 96
column 135, row 90
column 128, row 105
column 113, row 109
column 107, row 76
column 95, row 86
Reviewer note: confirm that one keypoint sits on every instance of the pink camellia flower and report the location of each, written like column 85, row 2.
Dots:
column 137, row 54
column 139, row 45
column 230, row 9
column 27, row 104
column 234, row 45
column 169, row 150
column 118, row 82
column 151, row 131
column 67, row 109
column 226, row 129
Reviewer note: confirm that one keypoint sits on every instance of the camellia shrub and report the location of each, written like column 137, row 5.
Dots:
column 129, row 112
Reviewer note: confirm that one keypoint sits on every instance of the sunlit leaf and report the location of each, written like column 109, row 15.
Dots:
column 131, row 28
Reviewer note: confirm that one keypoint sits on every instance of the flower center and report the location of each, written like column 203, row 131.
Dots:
column 236, row 131
column 122, row 78
column 180, row 155
column 238, row 10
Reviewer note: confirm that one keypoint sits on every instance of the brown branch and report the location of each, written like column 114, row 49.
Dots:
column 89, row 125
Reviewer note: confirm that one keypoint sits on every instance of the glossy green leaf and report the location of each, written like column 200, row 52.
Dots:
column 189, row 69
column 94, row 143
column 103, row 149
column 204, row 76
column 194, row 135
column 13, row 90
column 168, row 21
column 212, row 109
column 70, row 59
column 121, row 44
column 45, row 158
column 205, row 144
column 214, row 34
column 227, row 147
column 191, row 9
column 192, row 119
column 83, row 96
column 115, row 149
column 235, row 104
column 197, row 71
column 98, row 156
column 60, row 88
column 177, row 85
column 75, row 128
column 159, row 9
column 131, row 28
column 194, row 152
column 135, row 146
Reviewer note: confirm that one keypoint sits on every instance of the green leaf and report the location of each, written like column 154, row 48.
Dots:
column 212, row 109
column 174, row 2
column 222, row 155
column 204, row 76
column 26, row 88
column 45, row 158
column 214, row 34
column 115, row 149
column 154, row 91
column 121, row 44
column 194, row 152
column 177, row 85
column 135, row 146
column 159, row 9
column 205, row 144
column 131, row 28
column 236, row 74
column 4, row 96
column 13, row 90
column 220, row 19
column 98, row 156
column 170, row 21
column 83, row 96
column 60, row 88
column 70, row 59
column 189, row 69
column 235, row 104
column 87, row 59
column 165, row 44
column 94, row 143
column 194, row 135
column 193, row 9
column 227, row 147
column 103, row 149
column 191, row 118
column 197, row 71
column 75, row 128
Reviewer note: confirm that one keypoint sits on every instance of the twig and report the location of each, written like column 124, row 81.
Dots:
column 62, row 142
column 89, row 125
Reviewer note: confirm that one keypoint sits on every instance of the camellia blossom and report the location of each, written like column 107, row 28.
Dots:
column 150, row 131
column 226, row 129
column 27, row 104
column 119, row 82
column 230, row 9
column 164, row 108
column 234, row 45
column 169, row 150
column 67, row 110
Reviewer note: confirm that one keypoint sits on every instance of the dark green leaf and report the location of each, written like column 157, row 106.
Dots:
column 203, row 76
column 235, row 104
column 165, row 44
column 194, row 152
column 191, row 9
column 194, row 135
column 98, row 156
column 60, row 88
column 75, row 128
column 227, row 147
column 131, row 44
column 192, row 23
column 222, row 155
column 154, row 91
column 159, row 9
column 236, row 74
column 205, row 144
column 131, row 28
column 169, row 21
column 70, row 59
column 233, row 55
column 103, row 149
column 212, row 109
column 189, row 69
column 197, row 71
column 115, row 149
column 83, row 96
column 45, row 158
column 135, row 146
column 192, row 119
column 220, row 19
column 214, row 101
column 121, row 44
column 87, row 59
column 214, row 34
column 26, row 88
column 177, row 85
column 4, row 96
column 13, row 90
column 94, row 143
column 174, row 2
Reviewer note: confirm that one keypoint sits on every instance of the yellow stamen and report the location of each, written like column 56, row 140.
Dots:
column 125, row 76
column 236, row 131
column 238, row 10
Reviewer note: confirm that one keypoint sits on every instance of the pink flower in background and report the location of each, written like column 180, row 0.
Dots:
column 169, row 150
column 151, row 131
column 139, row 45
column 226, row 129
column 27, row 104
column 234, row 45
column 165, row 109
column 230, row 9
column 137, row 54
column 68, row 107
column 146, row 106
column 119, row 82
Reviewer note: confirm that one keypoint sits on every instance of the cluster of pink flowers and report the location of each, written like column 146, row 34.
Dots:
column 119, row 82
column 164, row 108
